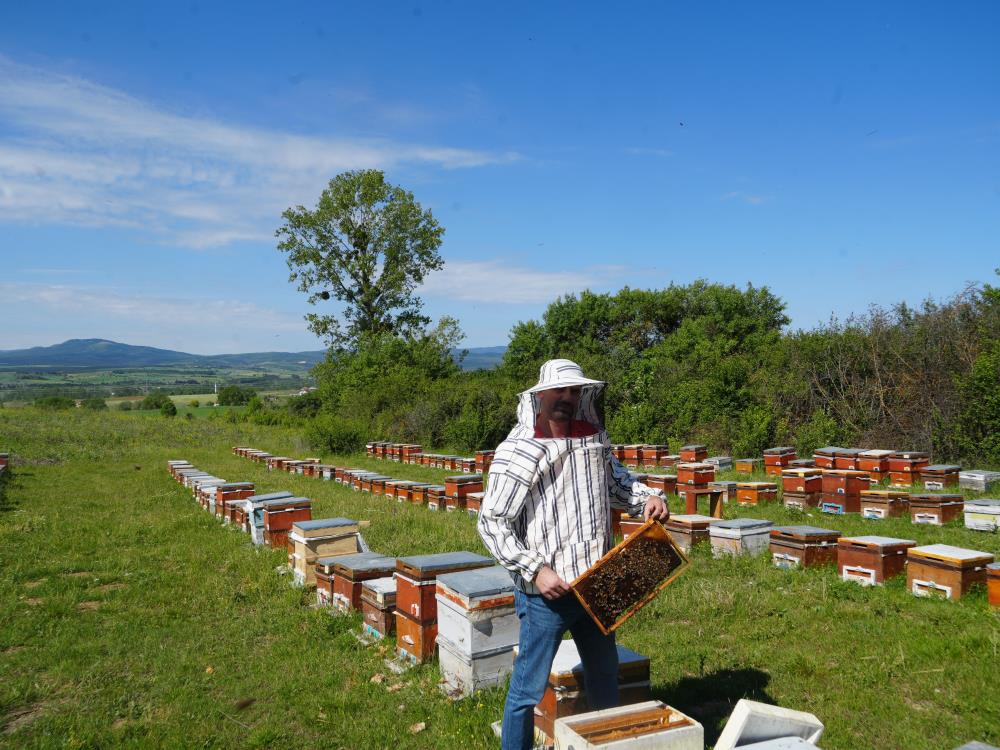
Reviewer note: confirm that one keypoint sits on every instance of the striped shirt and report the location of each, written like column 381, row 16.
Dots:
column 548, row 503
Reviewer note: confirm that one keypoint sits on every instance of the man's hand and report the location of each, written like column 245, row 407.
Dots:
column 656, row 508
column 550, row 584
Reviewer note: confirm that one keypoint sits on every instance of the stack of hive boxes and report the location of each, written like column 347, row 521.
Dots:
column 280, row 515
column 457, row 489
column 483, row 459
column 803, row 546
column 842, row 490
column 825, row 458
column 339, row 580
column 323, row 537
column 565, row 694
column 905, row 467
column 224, row 493
column 378, row 607
column 943, row 570
column 777, row 460
column 875, row 462
column 416, row 599
column 693, row 478
column 474, row 502
column 871, row 560
column 801, row 488
column 477, row 628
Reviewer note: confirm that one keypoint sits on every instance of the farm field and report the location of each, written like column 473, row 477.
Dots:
column 130, row 617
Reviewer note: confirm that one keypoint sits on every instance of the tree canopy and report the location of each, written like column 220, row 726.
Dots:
column 367, row 244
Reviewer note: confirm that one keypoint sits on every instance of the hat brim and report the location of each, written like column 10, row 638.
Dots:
column 564, row 383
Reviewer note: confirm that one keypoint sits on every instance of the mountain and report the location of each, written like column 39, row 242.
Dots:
column 103, row 354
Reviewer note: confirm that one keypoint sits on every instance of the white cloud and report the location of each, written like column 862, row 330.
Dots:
column 497, row 281
column 662, row 153
column 748, row 198
column 81, row 153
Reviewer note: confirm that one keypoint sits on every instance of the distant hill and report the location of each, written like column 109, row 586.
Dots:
column 102, row 354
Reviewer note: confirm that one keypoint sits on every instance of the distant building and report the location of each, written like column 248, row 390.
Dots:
column 307, row 390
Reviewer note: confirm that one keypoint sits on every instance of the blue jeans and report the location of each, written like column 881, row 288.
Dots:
column 543, row 624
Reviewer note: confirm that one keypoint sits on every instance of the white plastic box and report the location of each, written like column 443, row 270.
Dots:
column 982, row 515
column 464, row 674
column 750, row 536
column 752, row 722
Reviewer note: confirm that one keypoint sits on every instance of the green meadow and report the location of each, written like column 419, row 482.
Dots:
column 130, row 617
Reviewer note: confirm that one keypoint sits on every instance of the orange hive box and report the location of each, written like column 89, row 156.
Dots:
column 803, row 546
column 629, row 576
column 695, row 453
column 748, row 465
column 688, row 530
column 846, row 458
column 825, row 458
column 993, row 584
column 665, row 482
column 695, row 473
column 945, row 571
column 940, row 476
column 752, row 493
column 802, row 480
column 874, row 461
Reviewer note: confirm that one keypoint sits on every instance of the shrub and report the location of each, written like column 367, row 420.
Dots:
column 168, row 409
column 195, row 403
column 95, row 403
column 125, row 406
column 332, row 435
column 155, row 400
column 233, row 395
column 55, row 403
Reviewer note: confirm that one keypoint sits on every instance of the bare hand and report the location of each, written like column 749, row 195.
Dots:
column 656, row 508
column 549, row 584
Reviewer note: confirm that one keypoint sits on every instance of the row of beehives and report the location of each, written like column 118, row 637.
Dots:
column 458, row 605
column 931, row 570
column 469, row 616
column 460, row 492
column 426, row 602
column 413, row 453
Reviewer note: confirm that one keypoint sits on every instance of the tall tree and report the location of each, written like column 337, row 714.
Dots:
column 368, row 244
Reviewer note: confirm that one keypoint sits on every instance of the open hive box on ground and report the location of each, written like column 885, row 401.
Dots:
column 753, row 722
column 565, row 694
column 935, row 510
column 339, row 579
column 629, row 576
column 651, row 725
column 982, row 515
column 803, row 546
column 871, row 560
column 943, row 570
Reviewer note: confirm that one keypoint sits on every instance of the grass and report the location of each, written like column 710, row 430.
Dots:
column 129, row 617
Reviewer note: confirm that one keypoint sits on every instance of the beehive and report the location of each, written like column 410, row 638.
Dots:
column 802, row 481
column 688, row 530
column 803, row 546
column 753, row 493
column 322, row 537
column 650, row 725
column 993, row 584
column 943, row 570
column 982, row 515
column 871, row 560
column 740, row 536
column 694, row 453
column 940, row 476
column 846, row 459
column 877, row 505
column 748, row 465
column 936, row 510
column 378, row 603
column 875, row 462
column 339, row 580
column 800, row 500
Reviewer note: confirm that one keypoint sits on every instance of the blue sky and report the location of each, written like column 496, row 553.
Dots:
column 842, row 154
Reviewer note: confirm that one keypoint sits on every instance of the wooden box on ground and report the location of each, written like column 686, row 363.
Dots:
column 802, row 480
column 943, row 570
column 844, row 482
column 565, row 694
column 321, row 537
column 993, row 584
column 838, row 505
column 631, row 454
column 416, row 580
column 629, row 576
column 940, row 476
column 748, row 465
column 415, row 640
column 982, row 515
column 688, row 530
column 474, row 502
column 667, row 483
column 877, row 505
column 464, row 674
column 936, row 510
column 378, row 604
column 461, row 486
column 280, row 515
column 803, row 546
column 231, row 491
column 875, row 462
column 483, row 460
column 651, row 725
column 339, row 579
column 871, row 560
column 651, row 455
column 254, row 512
column 727, row 487
column 752, row 493
column 694, row 453
column 777, row 459
column 801, row 500
column 750, row 536
column 904, row 467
